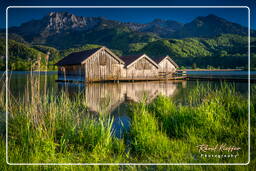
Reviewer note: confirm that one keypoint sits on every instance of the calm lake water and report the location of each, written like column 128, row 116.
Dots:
column 223, row 74
column 114, row 97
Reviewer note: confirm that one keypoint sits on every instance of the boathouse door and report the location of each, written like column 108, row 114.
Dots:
column 103, row 69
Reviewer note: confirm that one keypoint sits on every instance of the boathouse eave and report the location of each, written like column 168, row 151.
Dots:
column 76, row 58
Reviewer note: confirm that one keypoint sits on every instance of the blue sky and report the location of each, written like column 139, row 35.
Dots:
column 18, row 16
column 141, row 15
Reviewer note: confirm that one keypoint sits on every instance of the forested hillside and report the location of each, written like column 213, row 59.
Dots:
column 225, row 51
column 205, row 42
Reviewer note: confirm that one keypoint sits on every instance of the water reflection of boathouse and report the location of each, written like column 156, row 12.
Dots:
column 106, row 97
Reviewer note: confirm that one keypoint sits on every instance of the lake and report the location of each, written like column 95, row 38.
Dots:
column 114, row 98
column 228, row 75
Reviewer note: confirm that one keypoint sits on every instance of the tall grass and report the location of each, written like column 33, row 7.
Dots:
column 147, row 141
column 63, row 133
column 54, row 128
column 221, row 117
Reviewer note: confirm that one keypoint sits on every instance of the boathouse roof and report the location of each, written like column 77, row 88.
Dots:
column 77, row 58
column 129, row 60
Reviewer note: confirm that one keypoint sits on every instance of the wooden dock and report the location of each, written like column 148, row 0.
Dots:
column 137, row 79
column 210, row 70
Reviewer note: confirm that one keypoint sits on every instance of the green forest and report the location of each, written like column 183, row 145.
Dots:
column 224, row 51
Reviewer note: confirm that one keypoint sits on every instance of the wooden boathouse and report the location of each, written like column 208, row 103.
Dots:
column 139, row 67
column 101, row 64
column 90, row 65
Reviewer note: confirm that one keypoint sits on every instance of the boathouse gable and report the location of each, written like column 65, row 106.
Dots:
column 139, row 67
column 166, row 65
column 103, row 65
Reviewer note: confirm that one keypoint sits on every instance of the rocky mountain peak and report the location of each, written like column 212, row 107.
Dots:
column 60, row 21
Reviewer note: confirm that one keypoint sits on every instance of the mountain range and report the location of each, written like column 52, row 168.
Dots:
column 65, row 32
column 57, row 27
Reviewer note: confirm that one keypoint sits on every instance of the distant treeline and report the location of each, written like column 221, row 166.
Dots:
column 220, row 62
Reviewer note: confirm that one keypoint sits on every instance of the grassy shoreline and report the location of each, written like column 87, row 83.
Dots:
column 56, row 129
